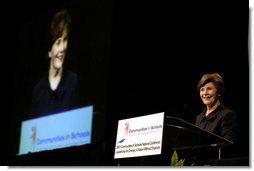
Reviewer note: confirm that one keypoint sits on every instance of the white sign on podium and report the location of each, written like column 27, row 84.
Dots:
column 139, row 136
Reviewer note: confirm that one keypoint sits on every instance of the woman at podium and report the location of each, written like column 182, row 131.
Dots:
column 215, row 117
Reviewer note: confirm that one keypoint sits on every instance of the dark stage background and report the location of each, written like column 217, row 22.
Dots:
column 135, row 58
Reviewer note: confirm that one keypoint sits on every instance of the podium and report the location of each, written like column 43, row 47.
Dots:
column 181, row 133
column 195, row 145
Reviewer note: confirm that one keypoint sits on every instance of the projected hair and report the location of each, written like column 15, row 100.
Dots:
column 60, row 21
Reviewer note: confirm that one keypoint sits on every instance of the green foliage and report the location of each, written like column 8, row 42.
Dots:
column 175, row 161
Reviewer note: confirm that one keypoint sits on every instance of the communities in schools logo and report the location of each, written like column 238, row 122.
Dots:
column 124, row 132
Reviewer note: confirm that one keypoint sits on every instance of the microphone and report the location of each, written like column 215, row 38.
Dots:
column 177, row 111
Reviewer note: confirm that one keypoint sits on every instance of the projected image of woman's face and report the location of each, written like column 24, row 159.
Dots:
column 58, row 50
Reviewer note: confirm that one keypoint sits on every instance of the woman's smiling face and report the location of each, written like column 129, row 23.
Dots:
column 58, row 50
column 209, row 94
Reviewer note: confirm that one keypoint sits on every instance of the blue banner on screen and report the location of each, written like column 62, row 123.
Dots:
column 71, row 128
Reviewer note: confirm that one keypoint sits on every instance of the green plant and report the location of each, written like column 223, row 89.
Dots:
column 175, row 161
